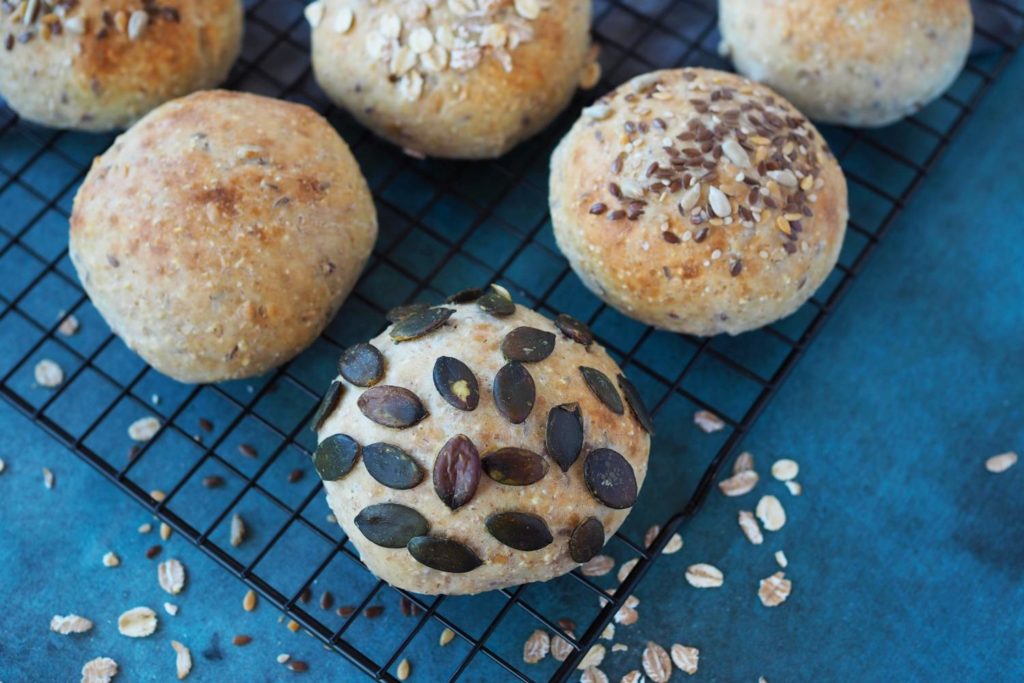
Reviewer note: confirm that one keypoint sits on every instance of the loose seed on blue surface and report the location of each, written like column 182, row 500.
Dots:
column 335, row 456
column 514, row 392
column 527, row 345
column 391, row 525
column 519, row 530
column 610, row 478
column 514, row 466
column 323, row 411
column 419, row 324
column 391, row 466
column 586, row 540
column 443, row 554
column 391, row 406
column 636, row 404
column 564, row 438
column 456, row 383
column 603, row 388
column 362, row 365
column 574, row 329
column 457, row 471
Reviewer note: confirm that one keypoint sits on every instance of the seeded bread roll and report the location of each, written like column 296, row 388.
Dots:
column 698, row 201
column 454, row 469
column 219, row 235
column 853, row 62
column 464, row 79
column 99, row 65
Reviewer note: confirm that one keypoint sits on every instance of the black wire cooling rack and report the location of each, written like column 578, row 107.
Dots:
column 444, row 226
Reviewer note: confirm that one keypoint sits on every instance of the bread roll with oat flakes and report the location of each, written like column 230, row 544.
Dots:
column 857, row 63
column 98, row 65
column 698, row 201
column 464, row 79
column 479, row 445
column 220, row 235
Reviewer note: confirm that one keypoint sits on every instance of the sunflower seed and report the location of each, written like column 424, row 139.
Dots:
column 72, row 623
column 238, row 530
column 362, row 365
column 165, row 531
column 774, row 590
column 708, row 421
column 138, row 622
column 514, row 466
column 528, row 9
column 536, row 647
column 403, row 670
column 769, row 510
column 447, row 636
column 335, row 456
column 603, row 388
column 514, row 392
column 249, row 601
column 391, row 525
column 519, row 530
column 625, row 568
column 785, row 469
column 182, row 659
column 527, row 345
column 420, row 323
column 111, row 560
column 719, row 202
column 586, row 540
column 784, row 177
column 598, row 565
column 657, row 664
column 636, row 404
column 497, row 304
column 457, row 471
column 739, row 484
column 399, row 313
column 593, row 675
column 574, row 329
column 744, row 461
column 390, row 406
column 143, row 429
column 610, row 478
column 750, row 528
column 689, row 199
column 594, row 657
column 564, row 437
column 456, row 383
column 391, row 466
column 704, row 576
column 781, row 558
column 443, row 554
column 686, row 658
column 999, row 463
column 735, row 153
column 99, row 670
column 137, row 23
column 171, row 576
column 48, row 374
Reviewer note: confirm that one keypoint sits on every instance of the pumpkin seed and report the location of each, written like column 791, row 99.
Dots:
column 362, row 365
column 514, row 392
column 519, row 530
column 420, row 323
column 456, row 383
column 496, row 304
column 564, row 438
column 399, row 313
column 527, row 345
column 327, row 405
column 457, row 471
column 574, row 329
column 610, row 478
column 443, row 554
column 602, row 388
column 392, row 406
column 586, row 540
column 636, row 404
column 514, row 466
column 391, row 466
column 391, row 525
column 335, row 456
column 466, row 296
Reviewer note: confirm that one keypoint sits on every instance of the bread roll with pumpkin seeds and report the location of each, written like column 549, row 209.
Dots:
column 221, row 234
column 466, row 79
column 698, row 201
column 853, row 62
column 494, row 447
column 99, row 65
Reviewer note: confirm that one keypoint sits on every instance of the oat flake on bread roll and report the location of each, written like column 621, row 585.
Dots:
column 452, row 78
column 220, row 235
column 99, row 65
column 698, row 201
column 478, row 445
column 853, row 62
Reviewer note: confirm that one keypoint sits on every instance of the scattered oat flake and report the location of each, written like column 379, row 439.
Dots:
column 561, row 648
column 686, row 658
column 48, row 479
column 769, row 510
column 593, row 675
column 633, row 676
column 599, row 565
column 143, row 429
column 739, row 484
column 404, row 669
column 794, row 487
column 626, row 568
column 674, row 545
column 72, row 623
column 627, row 614
column 608, row 633
column 68, row 326
column 785, row 469
column 536, row 646
column 774, row 590
column 138, row 622
column 651, row 534
column 249, row 601
column 594, row 657
column 446, row 637
column 708, row 421
column 183, row 661
column 1000, row 463
column 704, row 576
column 171, row 575
column 99, row 670
column 750, row 528
column 781, row 558
column 744, row 462
column 48, row 374
column 237, row 530
column 171, row 608
column 620, row 647
column 110, row 559
column 656, row 662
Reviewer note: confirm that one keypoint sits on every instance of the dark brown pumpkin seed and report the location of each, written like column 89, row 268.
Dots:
column 527, row 345
column 466, row 296
column 391, row 406
column 399, row 313
column 564, row 438
column 610, row 478
column 514, row 392
column 457, row 471
column 514, row 466
column 574, row 329
column 362, row 365
column 603, row 389
column 327, row 405
column 335, row 456
column 443, row 554
column 391, row 466
column 519, row 530
column 419, row 324
column 636, row 404
column 391, row 525
column 496, row 304
column 587, row 540
column 456, row 383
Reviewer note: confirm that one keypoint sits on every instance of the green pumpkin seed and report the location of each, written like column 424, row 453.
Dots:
column 527, row 345
column 362, row 365
column 610, row 478
column 466, row 296
column 636, row 404
column 603, row 389
column 327, row 405
column 519, row 530
column 514, row 392
column 497, row 304
column 443, row 554
column 457, row 471
column 564, row 438
column 514, row 466
column 391, row 406
column 391, row 466
column 335, row 456
column 399, row 313
column 574, row 329
column 420, row 324
column 586, row 540
column 456, row 383
column 391, row 525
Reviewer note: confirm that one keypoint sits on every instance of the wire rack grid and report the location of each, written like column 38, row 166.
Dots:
column 442, row 224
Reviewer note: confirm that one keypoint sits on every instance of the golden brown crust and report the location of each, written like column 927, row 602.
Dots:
column 865, row 62
column 475, row 111
column 100, row 70
column 221, row 233
column 659, row 252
